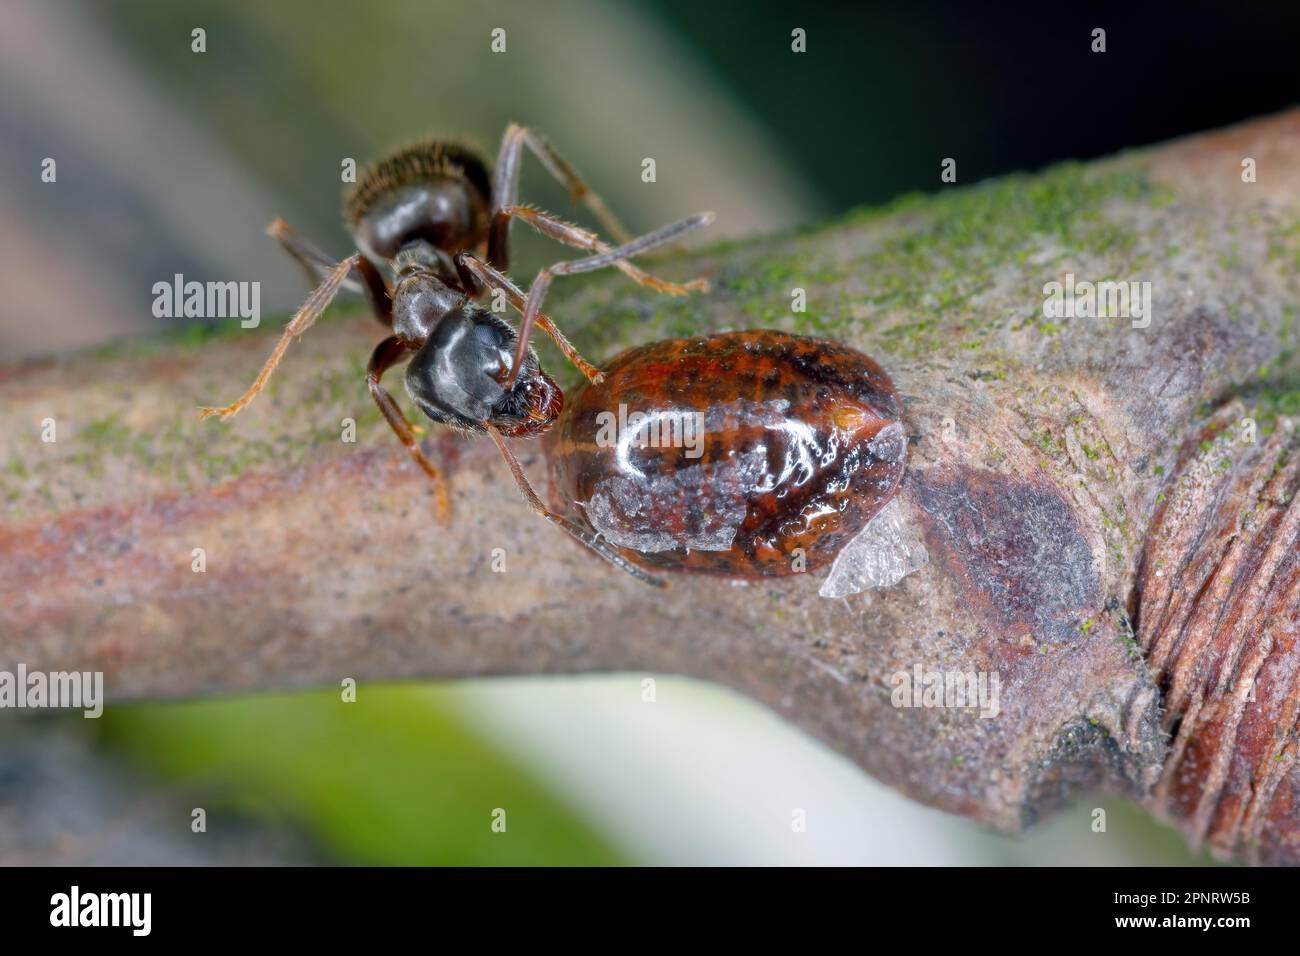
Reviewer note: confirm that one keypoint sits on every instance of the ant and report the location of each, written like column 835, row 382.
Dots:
column 423, row 215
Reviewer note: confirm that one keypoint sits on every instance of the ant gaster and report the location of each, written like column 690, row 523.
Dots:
column 423, row 216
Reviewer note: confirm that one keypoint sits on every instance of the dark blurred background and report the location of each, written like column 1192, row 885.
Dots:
column 174, row 161
column 887, row 87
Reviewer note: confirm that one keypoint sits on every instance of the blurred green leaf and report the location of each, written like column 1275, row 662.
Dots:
column 391, row 779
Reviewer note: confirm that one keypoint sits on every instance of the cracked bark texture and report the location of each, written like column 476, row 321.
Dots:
column 1136, row 596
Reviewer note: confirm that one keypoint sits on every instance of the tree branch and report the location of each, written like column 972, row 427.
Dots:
column 1040, row 451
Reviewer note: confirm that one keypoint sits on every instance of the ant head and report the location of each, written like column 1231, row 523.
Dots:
column 457, row 376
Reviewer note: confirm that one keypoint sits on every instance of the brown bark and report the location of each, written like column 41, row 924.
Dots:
column 1039, row 454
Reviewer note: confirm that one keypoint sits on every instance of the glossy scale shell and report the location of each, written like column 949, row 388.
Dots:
column 796, row 443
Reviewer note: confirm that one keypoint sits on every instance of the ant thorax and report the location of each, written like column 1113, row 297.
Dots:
column 421, row 296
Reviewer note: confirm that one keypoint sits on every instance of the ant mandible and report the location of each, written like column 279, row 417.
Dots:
column 423, row 215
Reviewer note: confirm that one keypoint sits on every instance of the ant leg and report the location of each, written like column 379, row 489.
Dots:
column 377, row 294
column 607, row 257
column 310, row 311
column 505, row 190
column 387, row 354
column 571, row 235
column 592, row 541
column 314, row 262
column 479, row 272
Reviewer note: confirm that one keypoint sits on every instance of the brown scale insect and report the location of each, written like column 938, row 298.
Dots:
column 778, row 446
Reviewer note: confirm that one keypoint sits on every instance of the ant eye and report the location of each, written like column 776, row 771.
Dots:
column 489, row 335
